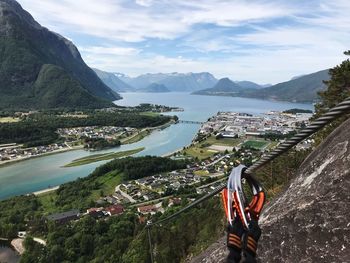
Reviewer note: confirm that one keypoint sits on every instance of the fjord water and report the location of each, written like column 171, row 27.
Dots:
column 43, row 172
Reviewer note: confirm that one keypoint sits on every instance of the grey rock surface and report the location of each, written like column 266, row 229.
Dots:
column 310, row 220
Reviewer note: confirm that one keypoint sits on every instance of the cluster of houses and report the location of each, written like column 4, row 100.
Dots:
column 94, row 132
column 15, row 151
column 151, row 187
column 95, row 212
column 111, row 210
column 234, row 124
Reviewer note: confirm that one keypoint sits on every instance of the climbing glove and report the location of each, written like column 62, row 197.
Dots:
column 250, row 239
column 234, row 235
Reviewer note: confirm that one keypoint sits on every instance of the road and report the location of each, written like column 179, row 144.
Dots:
column 131, row 200
column 216, row 161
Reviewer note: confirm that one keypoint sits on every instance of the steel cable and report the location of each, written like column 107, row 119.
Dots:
column 318, row 124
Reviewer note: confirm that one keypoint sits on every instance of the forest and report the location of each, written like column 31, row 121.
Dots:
column 75, row 194
column 40, row 128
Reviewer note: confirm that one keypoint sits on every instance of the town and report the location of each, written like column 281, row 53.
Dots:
column 230, row 137
column 88, row 137
column 235, row 125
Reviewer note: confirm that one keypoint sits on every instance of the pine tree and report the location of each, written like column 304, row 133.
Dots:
column 338, row 86
column 338, row 89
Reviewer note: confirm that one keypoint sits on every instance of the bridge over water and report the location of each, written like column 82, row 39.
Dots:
column 190, row 122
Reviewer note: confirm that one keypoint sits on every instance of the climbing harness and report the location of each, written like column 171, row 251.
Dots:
column 235, row 200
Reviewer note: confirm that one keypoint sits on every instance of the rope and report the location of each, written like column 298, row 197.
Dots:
column 315, row 126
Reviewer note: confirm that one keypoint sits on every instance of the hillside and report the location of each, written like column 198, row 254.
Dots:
column 249, row 85
column 225, row 87
column 113, row 82
column 308, row 221
column 301, row 89
column 155, row 88
column 28, row 52
column 173, row 81
column 304, row 88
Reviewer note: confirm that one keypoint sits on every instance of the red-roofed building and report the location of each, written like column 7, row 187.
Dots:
column 147, row 209
column 115, row 210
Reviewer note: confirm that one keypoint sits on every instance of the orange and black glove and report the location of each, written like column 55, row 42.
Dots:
column 234, row 244
column 250, row 242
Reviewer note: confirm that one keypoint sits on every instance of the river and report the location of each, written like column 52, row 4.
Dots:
column 40, row 173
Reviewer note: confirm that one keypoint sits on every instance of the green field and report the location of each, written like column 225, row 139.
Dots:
column 102, row 157
column 107, row 184
column 150, row 113
column 223, row 141
column 9, row 119
column 138, row 137
column 256, row 144
column 201, row 173
column 202, row 151
column 197, row 152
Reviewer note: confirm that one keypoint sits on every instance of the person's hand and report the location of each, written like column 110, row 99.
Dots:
column 234, row 235
column 250, row 239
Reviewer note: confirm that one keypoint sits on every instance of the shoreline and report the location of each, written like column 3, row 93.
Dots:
column 45, row 191
column 54, row 188
column 74, row 148
column 22, row 159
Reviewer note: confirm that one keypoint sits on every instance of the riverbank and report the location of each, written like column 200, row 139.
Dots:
column 47, row 190
column 132, row 139
column 103, row 157
column 21, row 159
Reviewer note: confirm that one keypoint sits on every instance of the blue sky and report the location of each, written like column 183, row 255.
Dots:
column 262, row 41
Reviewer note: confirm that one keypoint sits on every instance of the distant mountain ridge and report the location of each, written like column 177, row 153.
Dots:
column 39, row 68
column 300, row 89
column 112, row 81
column 224, row 87
column 155, row 88
column 249, row 85
column 173, row 81
column 227, row 87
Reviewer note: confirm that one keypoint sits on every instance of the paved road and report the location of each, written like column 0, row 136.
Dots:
column 131, row 200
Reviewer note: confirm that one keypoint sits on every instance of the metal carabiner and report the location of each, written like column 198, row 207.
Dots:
column 234, row 199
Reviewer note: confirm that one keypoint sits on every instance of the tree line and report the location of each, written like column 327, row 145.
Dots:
column 40, row 129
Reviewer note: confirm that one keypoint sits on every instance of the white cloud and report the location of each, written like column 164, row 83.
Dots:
column 231, row 13
column 111, row 51
column 167, row 20
column 260, row 40
column 145, row 3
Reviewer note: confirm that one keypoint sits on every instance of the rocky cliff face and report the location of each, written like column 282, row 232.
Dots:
column 310, row 220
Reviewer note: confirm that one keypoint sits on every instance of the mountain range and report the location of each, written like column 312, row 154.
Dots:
column 174, row 82
column 300, row 89
column 303, row 88
column 155, row 88
column 41, row 69
column 112, row 81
